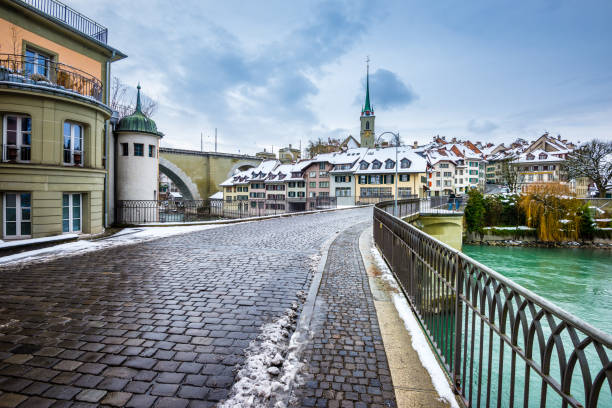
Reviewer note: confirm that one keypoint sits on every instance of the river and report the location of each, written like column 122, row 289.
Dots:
column 577, row 280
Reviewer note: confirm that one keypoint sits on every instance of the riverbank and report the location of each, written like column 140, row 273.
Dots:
column 539, row 244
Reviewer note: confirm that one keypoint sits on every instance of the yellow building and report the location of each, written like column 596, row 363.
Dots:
column 375, row 174
column 54, row 121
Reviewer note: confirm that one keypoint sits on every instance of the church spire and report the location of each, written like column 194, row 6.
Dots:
column 367, row 109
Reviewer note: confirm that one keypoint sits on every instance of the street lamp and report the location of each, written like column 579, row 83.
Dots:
column 396, row 142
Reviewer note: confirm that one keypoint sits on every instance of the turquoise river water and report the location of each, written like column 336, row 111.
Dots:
column 577, row 280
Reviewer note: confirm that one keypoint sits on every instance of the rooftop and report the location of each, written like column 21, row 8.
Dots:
column 70, row 17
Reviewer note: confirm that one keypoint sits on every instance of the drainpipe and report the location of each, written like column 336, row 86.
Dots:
column 107, row 133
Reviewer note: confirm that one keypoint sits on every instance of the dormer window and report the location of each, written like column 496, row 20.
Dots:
column 530, row 157
column 376, row 165
column 405, row 164
column 364, row 165
column 389, row 164
column 543, row 156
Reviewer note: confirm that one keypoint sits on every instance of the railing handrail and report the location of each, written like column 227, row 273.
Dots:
column 71, row 17
column 70, row 69
column 594, row 332
column 449, row 291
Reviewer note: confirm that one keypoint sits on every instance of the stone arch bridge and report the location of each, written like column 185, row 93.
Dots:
column 198, row 174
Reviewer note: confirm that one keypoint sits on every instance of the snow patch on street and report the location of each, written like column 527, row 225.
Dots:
column 126, row 236
column 419, row 342
column 272, row 361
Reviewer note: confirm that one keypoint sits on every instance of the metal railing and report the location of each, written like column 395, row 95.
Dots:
column 163, row 211
column 26, row 70
column 501, row 344
column 71, row 17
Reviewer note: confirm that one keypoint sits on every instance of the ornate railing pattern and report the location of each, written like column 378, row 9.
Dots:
column 25, row 70
column 71, row 17
column 501, row 344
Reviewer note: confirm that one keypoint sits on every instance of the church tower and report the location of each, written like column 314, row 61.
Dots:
column 367, row 115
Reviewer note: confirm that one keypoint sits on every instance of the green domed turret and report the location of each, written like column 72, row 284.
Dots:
column 138, row 122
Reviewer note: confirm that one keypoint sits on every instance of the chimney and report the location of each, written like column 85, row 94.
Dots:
column 290, row 145
column 415, row 145
column 454, row 140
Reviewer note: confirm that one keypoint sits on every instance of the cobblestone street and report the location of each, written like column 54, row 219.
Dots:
column 346, row 365
column 162, row 323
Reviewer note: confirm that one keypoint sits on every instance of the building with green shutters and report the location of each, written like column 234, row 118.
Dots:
column 54, row 120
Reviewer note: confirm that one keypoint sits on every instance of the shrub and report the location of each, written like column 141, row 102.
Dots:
column 475, row 211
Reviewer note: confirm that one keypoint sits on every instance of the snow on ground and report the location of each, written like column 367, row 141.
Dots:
column 126, row 236
column 419, row 342
column 272, row 361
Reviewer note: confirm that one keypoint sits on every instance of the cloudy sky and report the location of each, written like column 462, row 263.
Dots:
column 270, row 73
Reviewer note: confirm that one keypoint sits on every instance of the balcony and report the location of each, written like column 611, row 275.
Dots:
column 49, row 75
column 70, row 17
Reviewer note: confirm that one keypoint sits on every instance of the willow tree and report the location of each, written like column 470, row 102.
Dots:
column 552, row 211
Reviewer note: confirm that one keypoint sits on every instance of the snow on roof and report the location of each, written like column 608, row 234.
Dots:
column 346, row 157
column 541, row 156
column 280, row 174
column 418, row 164
column 217, row 196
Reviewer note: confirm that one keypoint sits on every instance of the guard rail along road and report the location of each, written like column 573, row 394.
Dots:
column 499, row 343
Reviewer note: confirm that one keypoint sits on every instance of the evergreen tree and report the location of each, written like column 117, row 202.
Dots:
column 475, row 211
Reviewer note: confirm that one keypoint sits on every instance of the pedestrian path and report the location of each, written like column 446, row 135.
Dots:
column 346, row 364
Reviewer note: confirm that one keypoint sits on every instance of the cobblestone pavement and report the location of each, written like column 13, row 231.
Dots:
column 162, row 323
column 346, row 365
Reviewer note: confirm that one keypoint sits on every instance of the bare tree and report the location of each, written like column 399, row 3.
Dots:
column 510, row 173
column 320, row 146
column 592, row 160
column 123, row 100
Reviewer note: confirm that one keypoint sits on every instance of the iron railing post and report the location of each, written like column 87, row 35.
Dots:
column 457, row 386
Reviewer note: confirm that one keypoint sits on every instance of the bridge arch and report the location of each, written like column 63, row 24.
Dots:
column 183, row 182
column 241, row 166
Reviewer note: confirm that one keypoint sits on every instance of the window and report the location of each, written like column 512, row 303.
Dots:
column 312, row 194
column 323, row 184
column 447, row 174
column 17, row 138
column 437, row 174
column 125, row 150
column 367, row 125
column 301, row 194
column 312, row 174
column 376, row 192
column 474, row 172
column 540, row 177
column 138, row 149
column 364, row 165
column 389, row 164
column 375, row 179
column 322, row 166
column 291, row 184
column 37, row 62
column 376, row 165
column 151, row 150
column 71, row 212
column 324, row 194
column 423, row 179
column 17, row 215
column 437, row 183
column 343, row 191
column 461, row 172
column 542, row 156
column 405, row 163
column 291, row 194
column 363, row 179
column 301, row 184
column 544, row 167
column 530, row 156
column 73, row 144
column 323, row 174
column 405, row 191
column 444, row 165
column 404, row 177
column 312, row 184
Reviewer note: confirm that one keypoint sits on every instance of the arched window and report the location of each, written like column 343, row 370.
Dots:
column 367, row 125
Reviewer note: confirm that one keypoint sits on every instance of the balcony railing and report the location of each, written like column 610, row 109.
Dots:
column 15, row 153
column 70, row 17
column 56, row 76
column 501, row 344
